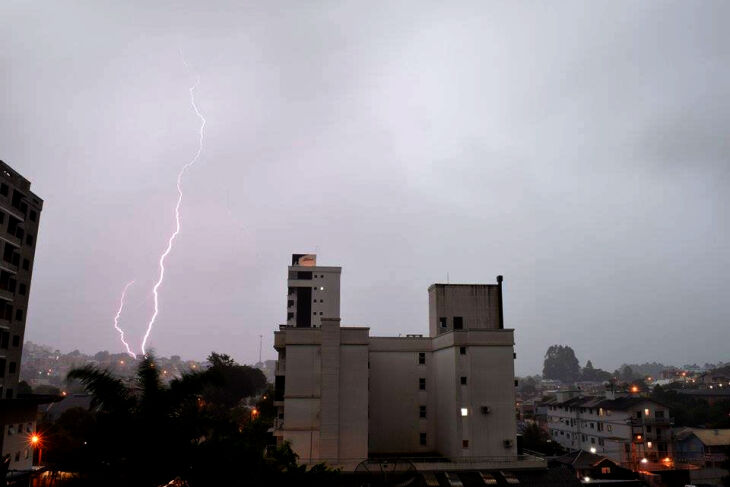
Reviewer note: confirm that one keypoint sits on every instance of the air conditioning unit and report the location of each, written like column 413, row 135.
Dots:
column 508, row 443
column 486, row 410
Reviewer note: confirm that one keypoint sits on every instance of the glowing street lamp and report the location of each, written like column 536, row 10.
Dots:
column 36, row 442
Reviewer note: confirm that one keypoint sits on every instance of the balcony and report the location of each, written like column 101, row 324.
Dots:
column 6, row 295
column 652, row 421
column 5, row 265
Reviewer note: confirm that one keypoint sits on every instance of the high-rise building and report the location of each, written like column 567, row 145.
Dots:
column 343, row 396
column 20, row 212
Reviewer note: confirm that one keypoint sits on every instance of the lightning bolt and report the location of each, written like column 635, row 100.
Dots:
column 116, row 320
column 171, row 240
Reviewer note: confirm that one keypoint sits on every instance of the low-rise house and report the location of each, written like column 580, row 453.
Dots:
column 707, row 449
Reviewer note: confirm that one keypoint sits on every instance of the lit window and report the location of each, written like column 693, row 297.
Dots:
column 464, row 412
column 646, row 412
column 321, row 288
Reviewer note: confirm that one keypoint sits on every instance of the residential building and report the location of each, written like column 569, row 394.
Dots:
column 344, row 396
column 707, row 449
column 20, row 212
column 631, row 430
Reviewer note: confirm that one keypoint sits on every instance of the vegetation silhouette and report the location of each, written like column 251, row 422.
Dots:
column 209, row 427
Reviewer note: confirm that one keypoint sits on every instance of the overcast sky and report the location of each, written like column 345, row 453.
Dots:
column 578, row 148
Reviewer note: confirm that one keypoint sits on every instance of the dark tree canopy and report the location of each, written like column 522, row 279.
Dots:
column 561, row 364
column 594, row 375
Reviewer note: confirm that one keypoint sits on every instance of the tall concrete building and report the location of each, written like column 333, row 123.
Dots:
column 343, row 396
column 20, row 212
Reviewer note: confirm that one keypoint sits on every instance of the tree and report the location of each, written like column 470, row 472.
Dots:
column 24, row 388
column 561, row 364
column 594, row 375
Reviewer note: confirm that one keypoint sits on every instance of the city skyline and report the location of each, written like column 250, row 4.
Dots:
column 404, row 144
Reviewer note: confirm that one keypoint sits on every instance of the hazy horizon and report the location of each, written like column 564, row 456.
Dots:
column 580, row 150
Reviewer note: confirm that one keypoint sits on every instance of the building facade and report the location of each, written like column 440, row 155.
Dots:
column 343, row 396
column 633, row 431
column 20, row 212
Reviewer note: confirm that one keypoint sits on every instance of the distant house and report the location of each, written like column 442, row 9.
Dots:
column 705, row 448
column 592, row 468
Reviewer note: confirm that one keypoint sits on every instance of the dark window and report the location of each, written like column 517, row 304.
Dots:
column 422, row 384
column 458, row 323
column 421, row 358
column 465, row 443
column 279, row 384
column 442, row 322
column 289, row 316
column 462, row 350
column 421, row 411
column 11, row 368
column 658, row 414
column 9, row 395
column 18, row 315
column 422, row 439
column 304, row 275
column 4, row 189
column 648, row 429
column 593, row 440
column 26, row 264
column 29, row 239
column 463, row 381
column 321, row 313
column 16, row 340
column 2, row 217
column 4, row 339
column 638, row 414
column 33, row 215
column 22, row 289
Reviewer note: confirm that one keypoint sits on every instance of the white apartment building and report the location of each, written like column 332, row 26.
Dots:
column 343, row 396
column 631, row 430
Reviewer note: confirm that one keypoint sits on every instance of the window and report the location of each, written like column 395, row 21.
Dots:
column 465, row 443
column 462, row 350
column 458, row 323
column 646, row 412
column 26, row 264
column 442, row 322
column 11, row 367
column 648, row 428
column 421, row 358
column 600, row 442
column 422, row 439
column 4, row 189
column 422, row 384
column 638, row 414
column 2, row 367
column 17, row 456
column 9, row 395
column 16, row 340
column 421, row 411
column 658, row 414
column 609, row 427
column 29, row 239
column 4, row 339
column 593, row 440
column 321, row 313
column 464, row 412
column 26, row 453
column 33, row 215
column 22, row 289
column 463, row 381
column 593, row 426
column 599, row 426
column 605, row 470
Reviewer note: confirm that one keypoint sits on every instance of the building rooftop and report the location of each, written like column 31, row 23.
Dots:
column 618, row 404
column 709, row 437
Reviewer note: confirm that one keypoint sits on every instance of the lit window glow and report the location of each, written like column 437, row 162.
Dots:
column 464, row 412
column 644, row 460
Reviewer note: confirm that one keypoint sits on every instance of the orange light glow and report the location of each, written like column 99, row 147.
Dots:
column 254, row 412
column 35, row 439
column 634, row 388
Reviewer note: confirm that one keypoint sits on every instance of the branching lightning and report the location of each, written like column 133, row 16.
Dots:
column 171, row 240
column 116, row 320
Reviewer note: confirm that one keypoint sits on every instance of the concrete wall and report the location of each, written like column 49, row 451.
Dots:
column 395, row 397
column 476, row 304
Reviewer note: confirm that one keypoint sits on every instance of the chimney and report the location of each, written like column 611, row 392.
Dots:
column 499, row 298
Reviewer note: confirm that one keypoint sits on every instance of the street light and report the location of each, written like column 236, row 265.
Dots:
column 37, row 442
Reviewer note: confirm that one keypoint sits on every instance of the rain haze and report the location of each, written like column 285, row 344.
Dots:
column 578, row 149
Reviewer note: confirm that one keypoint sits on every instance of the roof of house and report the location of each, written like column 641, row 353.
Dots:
column 709, row 437
column 581, row 459
column 618, row 404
